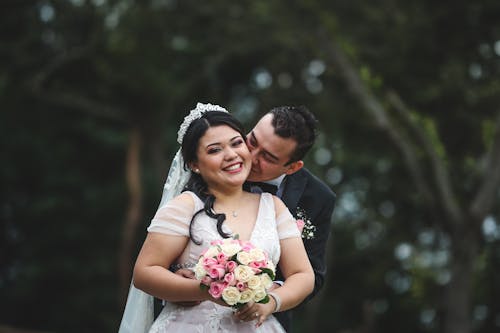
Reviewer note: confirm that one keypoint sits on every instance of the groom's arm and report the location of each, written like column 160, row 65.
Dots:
column 316, row 247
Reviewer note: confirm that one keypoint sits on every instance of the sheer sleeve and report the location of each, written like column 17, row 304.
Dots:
column 287, row 225
column 173, row 218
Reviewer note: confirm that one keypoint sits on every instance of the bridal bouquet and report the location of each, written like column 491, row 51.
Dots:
column 236, row 271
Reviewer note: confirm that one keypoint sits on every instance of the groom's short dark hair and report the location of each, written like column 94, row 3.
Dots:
column 297, row 123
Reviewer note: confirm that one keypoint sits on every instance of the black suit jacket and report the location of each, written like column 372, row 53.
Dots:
column 304, row 190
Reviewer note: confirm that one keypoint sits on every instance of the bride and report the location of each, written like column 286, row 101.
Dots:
column 215, row 161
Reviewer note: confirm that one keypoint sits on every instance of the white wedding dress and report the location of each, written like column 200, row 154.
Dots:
column 209, row 316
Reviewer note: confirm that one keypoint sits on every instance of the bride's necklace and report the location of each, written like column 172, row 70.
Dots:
column 231, row 212
column 234, row 213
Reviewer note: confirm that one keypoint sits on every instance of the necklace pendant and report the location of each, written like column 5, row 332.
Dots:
column 235, row 213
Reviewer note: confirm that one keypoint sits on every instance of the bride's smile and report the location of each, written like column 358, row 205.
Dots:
column 234, row 168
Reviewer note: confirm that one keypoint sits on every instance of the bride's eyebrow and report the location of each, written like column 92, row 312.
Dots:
column 236, row 137
column 219, row 143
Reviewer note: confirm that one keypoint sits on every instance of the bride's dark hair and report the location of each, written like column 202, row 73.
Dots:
column 189, row 148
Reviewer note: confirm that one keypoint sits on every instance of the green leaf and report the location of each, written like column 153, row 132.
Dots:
column 238, row 306
column 268, row 272
column 264, row 300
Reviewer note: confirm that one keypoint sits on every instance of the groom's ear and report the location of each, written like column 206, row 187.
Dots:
column 294, row 167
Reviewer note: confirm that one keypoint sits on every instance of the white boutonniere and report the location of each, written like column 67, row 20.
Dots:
column 305, row 225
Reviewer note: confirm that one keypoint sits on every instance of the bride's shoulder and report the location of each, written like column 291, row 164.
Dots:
column 279, row 205
column 185, row 199
column 270, row 198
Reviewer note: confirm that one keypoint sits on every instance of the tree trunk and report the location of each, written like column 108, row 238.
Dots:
column 458, row 295
column 160, row 164
column 134, row 212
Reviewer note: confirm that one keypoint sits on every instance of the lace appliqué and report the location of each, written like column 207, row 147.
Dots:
column 176, row 267
column 168, row 314
column 215, row 318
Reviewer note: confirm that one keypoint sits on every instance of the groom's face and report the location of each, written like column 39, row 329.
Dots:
column 270, row 152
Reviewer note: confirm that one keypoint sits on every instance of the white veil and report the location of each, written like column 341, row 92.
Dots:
column 139, row 309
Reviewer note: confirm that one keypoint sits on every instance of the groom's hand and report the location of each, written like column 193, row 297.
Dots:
column 188, row 274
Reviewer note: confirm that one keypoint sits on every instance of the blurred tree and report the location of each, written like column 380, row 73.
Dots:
column 92, row 93
column 456, row 176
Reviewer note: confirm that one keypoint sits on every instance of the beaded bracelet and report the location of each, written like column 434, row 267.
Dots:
column 277, row 299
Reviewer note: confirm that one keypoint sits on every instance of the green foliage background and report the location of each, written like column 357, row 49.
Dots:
column 77, row 77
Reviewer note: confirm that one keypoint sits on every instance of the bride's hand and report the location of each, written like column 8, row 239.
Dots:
column 256, row 311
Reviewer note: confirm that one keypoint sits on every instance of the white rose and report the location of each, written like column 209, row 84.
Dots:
column 230, row 249
column 271, row 266
column 259, row 295
column 266, row 281
column 257, row 255
column 243, row 273
column 244, row 257
column 247, row 296
column 254, row 282
column 211, row 252
column 199, row 271
column 231, row 295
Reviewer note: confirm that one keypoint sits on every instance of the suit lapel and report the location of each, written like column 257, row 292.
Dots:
column 294, row 187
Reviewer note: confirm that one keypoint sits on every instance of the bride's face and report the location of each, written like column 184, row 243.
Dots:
column 223, row 157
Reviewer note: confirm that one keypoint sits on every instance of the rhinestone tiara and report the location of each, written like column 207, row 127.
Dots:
column 196, row 113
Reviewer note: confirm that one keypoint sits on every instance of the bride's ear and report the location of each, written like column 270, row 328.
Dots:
column 194, row 167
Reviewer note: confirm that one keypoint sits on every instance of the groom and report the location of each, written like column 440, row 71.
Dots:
column 278, row 143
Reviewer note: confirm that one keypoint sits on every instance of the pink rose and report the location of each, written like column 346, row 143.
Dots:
column 216, row 271
column 221, row 258
column 216, row 242
column 230, row 279
column 231, row 265
column 247, row 246
column 256, row 265
column 241, row 286
column 206, row 280
column 209, row 262
column 300, row 224
column 216, row 289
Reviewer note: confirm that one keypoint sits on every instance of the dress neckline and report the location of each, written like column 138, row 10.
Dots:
column 257, row 219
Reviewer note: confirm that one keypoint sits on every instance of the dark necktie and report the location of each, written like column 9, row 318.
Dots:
column 259, row 187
